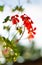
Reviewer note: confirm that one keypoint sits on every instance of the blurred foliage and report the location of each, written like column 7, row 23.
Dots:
column 28, row 53
column 18, row 8
column 7, row 28
column 31, row 53
column 19, row 29
column 6, row 19
column 1, row 8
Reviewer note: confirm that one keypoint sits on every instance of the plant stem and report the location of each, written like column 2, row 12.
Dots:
column 14, row 35
column 21, row 36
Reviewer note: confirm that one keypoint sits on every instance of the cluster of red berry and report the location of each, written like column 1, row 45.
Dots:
column 27, row 22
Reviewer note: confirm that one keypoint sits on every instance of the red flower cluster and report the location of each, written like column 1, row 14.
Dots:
column 31, row 33
column 28, row 24
column 15, row 19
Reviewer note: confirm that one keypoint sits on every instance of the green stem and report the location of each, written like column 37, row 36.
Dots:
column 14, row 35
column 21, row 36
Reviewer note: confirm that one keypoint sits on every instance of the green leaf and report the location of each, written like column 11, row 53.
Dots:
column 7, row 28
column 6, row 19
column 19, row 30
column 1, row 8
column 20, row 9
column 1, row 39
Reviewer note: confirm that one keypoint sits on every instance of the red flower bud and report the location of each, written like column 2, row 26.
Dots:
column 15, row 19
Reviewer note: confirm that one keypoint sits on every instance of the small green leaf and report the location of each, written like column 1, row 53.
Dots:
column 1, row 39
column 19, row 30
column 1, row 8
column 20, row 9
column 6, row 19
column 7, row 28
